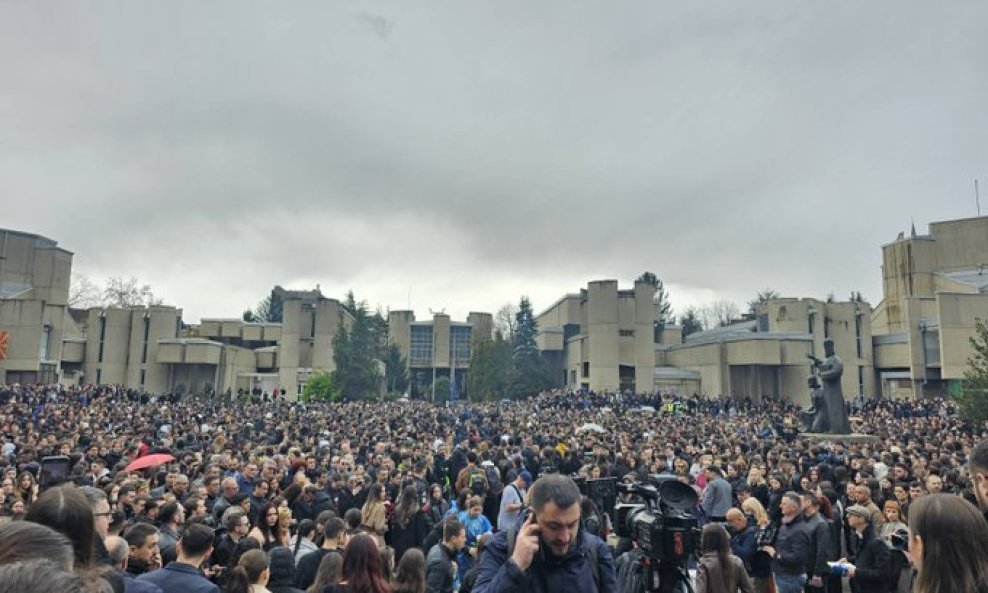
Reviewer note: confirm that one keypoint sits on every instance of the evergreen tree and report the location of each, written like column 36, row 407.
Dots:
column 490, row 370
column 973, row 398
column 356, row 351
column 663, row 308
column 395, row 369
column 530, row 373
column 691, row 322
column 271, row 309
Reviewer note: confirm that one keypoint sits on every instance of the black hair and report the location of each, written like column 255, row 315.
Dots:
column 556, row 488
column 451, row 529
column 196, row 540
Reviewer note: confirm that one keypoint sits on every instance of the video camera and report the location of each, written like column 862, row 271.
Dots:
column 660, row 526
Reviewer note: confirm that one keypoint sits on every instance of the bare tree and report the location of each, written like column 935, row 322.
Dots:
column 718, row 313
column 83, row 293
column 128, row 293
column 505, row 320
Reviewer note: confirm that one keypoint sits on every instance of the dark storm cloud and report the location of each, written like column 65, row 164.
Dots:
column 471, row 153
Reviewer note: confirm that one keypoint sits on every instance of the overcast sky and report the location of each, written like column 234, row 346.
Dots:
column 460, row 154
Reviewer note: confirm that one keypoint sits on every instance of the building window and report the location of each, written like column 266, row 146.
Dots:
column 44, row 347
column 144, row 348
column 586, row 370
column 143, row 377
column 99, row 376
column 857, row 334
column 810, row 319
column 420, row 345
column 102, row 337
column 861, row 381
column 626, row 333
column 459, row 344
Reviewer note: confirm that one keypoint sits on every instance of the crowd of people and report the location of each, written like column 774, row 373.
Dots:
column 272, row 495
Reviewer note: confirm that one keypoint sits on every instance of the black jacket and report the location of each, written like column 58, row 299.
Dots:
column 792, row 547
column 439, row 569
column 572, row 573
column 820, row 553
column 308, row 567
column 282, row 575
column 407, row 537
column 871, row 562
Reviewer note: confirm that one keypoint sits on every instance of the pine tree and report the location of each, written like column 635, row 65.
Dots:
column 490, row 370
column 691, row 322
column 663, row 308
column 355, row 352
column 973, row 398
column 530, row 373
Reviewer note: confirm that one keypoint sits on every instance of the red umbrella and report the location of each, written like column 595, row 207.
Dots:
column 149, row 461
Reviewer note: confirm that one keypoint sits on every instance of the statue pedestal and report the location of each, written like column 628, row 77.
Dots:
column 847, row 439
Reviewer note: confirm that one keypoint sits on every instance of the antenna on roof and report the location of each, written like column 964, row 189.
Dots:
column 977, row 196
column 912, row 233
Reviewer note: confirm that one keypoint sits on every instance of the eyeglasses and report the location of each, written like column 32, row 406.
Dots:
column 102, row 514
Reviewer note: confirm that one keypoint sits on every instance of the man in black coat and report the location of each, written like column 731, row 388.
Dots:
column 183, row 576
column 868, row 567
column 439, row 574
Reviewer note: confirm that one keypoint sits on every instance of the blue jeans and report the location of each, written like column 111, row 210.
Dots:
column 790, row 583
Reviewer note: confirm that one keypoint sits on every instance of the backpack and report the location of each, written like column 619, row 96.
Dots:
column 494, row 480
column 512, row 535
column 477, row 481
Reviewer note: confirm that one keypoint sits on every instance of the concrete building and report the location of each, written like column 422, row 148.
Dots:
column 438, row 347
column 121, row 346
column 34, row 296
column 601, row 338
column 935, row 288
column 914, row 343
column 268, row 356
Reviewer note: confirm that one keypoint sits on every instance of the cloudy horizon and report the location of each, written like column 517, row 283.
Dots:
column 458, row 156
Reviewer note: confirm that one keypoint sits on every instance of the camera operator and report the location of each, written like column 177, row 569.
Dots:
column 792, row 546
column 550, row 552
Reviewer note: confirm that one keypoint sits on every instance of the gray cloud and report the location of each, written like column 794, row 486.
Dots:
column 472, row 153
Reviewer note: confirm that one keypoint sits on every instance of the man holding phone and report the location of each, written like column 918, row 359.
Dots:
column 550, row 552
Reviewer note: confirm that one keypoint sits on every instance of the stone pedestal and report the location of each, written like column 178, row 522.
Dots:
column 847, row 439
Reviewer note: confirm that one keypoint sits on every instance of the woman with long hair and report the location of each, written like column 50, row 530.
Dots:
column 410, row 574
column 438, row 507
column 266, row 529
column 328, row 574
column 281, row 566
column 27, row 487
column 361, row 571
column 251, row 574
column 720, row 571
column 302, row 542
column 948, row 542
column 408, row 525
column 66, row 510
column 373, row 515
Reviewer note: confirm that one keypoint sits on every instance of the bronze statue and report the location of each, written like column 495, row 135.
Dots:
column 828, row 412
